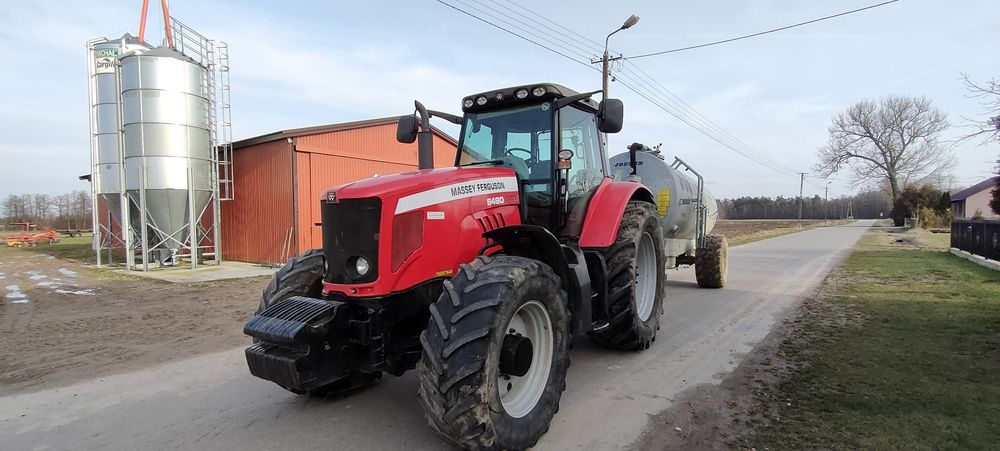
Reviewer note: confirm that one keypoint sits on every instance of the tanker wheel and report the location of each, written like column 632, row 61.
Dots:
column 711, row 262
column 303, row 276
column 495, row 354
column 635, row 280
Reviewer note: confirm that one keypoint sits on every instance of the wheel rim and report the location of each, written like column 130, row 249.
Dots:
column 645, row 277
column 519, row 395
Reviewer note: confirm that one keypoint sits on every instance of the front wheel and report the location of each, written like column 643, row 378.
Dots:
column 495, row 354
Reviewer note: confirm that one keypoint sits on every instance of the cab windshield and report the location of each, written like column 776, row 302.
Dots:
column 520, row 138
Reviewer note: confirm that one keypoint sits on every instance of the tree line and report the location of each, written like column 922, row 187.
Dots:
column 866, row 205
column 70, row 210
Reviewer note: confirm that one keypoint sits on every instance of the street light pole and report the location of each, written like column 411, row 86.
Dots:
column 632, row 20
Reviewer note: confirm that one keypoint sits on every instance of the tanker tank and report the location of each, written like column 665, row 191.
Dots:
column 676, row 194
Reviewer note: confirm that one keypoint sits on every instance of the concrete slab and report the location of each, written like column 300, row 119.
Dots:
column 205, row 273
column 977, row 259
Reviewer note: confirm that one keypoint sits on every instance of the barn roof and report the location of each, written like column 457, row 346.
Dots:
column 329, row 128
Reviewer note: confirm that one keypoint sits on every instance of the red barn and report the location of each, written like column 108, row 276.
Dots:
column 278, row 179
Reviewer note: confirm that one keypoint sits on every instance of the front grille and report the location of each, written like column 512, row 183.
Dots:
column 351, row 229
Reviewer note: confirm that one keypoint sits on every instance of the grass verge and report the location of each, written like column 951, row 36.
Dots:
column 901, row 351
column 75, row 248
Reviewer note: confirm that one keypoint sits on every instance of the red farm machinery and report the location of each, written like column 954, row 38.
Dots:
column 480, row 275
column 30, row 235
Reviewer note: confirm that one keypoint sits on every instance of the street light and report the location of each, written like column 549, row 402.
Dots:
column 632, row 20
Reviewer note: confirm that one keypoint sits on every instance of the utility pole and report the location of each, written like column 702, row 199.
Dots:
column 605, row 61
column 826, row 202
column 802, row 180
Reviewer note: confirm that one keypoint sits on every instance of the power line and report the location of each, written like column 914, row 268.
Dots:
column 664, row 94
column 761, row 33
column 702, row 125
column 513, row 33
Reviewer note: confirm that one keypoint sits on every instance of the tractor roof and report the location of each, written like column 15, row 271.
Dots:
column 504, row 97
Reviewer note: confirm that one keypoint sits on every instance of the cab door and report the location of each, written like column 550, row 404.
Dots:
column 578, row 133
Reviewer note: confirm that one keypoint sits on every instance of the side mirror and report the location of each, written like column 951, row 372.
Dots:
column 610, row 116
column 406, row 129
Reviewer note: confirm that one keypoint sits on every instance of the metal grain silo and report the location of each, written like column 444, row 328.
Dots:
column 106, row 156
column 167, row 145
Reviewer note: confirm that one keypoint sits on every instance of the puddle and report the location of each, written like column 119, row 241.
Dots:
column 67, row 272
column 2, row 276
column 14, row 292
column 85, row 292
column 38, row 277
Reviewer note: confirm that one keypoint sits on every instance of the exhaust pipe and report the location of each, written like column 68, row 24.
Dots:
column 425, row 139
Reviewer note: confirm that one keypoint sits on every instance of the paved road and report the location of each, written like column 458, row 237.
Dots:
column 211, row 402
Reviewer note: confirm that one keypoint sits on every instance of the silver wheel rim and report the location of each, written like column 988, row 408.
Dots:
column 519, row 395
column 645, row 277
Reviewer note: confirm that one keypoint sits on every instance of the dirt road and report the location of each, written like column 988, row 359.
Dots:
column 211, row 402
column 61, row 322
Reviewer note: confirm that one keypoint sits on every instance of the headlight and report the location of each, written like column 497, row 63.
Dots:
column 467, row 103
column 481, row 100
column 521, row 93
column 538, row 92
column 361, row 266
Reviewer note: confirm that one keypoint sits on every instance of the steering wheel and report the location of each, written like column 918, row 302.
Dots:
column 517, row 164
column 518, row 149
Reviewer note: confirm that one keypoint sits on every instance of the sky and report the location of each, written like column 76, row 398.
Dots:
column 301, row 63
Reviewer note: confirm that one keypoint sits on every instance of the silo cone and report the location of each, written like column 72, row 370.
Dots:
column 166, row 138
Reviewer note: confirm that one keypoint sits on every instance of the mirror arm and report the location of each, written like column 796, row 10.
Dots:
column 457, row 120
column 568, row 100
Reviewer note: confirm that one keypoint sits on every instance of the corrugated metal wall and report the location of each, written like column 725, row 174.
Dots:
column 330, row 159
column 256, row 224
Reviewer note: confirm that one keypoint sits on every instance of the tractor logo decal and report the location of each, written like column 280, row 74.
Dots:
column 472, row 188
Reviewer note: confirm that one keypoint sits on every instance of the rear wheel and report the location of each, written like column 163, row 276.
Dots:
column 711, row 263
column 635, row 280
column 303, row 276
column 496, row 351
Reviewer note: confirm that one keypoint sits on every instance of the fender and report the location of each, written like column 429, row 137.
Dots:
column 567, row 260
column 604, row 213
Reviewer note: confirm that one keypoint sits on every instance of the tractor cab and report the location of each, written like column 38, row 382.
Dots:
column 550, row 136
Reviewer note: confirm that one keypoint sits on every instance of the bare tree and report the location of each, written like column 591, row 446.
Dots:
column 988, row 129
column 892, row 141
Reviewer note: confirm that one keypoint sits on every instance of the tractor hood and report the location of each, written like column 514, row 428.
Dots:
column 428, row 186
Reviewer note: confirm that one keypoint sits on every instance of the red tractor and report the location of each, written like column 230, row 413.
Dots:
column 478, row 276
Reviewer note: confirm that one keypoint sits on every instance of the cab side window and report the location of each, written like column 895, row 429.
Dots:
column 578, row 133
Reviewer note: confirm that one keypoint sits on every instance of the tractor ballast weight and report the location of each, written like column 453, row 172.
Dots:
column 478, row 275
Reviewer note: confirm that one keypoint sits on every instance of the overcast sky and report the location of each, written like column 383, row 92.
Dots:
column 297, row 63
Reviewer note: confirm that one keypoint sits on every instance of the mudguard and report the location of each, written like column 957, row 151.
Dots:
column 567, row 260
column 604, row 213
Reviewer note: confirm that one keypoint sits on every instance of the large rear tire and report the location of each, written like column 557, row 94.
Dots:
column 303, row 276
column 496, row 350
column 635, row 280
column 711, row 262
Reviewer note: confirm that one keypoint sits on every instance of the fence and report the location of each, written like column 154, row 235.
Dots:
column 977, row 237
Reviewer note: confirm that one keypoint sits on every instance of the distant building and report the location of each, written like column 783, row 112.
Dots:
column 976, row 198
